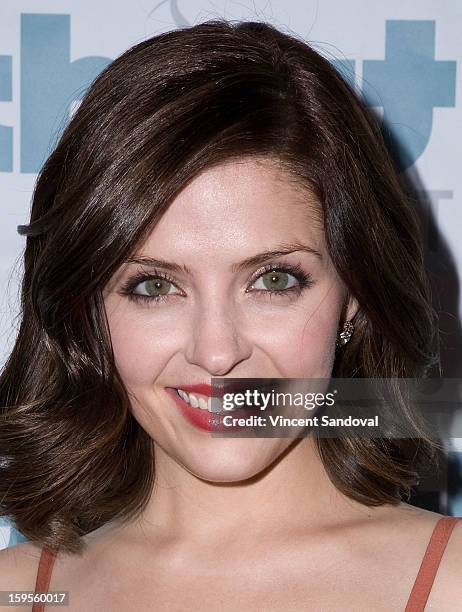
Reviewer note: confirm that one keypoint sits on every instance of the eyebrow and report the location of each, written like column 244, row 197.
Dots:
column 249, row 262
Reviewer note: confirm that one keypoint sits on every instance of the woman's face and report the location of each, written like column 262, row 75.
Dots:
column 219, row 316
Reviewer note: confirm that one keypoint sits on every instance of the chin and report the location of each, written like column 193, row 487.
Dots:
column 233, row 460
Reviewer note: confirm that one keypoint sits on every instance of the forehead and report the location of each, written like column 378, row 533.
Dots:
column 240, row 203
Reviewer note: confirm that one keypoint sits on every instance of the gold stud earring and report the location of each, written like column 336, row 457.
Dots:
column 345, row 335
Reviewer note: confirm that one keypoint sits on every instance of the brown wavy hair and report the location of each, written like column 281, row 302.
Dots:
column 72, row 455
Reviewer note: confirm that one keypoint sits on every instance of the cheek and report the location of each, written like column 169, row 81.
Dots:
column 142, row 348
column 304, row 344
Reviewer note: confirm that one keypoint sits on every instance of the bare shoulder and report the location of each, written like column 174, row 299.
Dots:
column 447, row 588
column 401, row 527
column 415, row 527
column 18, row 568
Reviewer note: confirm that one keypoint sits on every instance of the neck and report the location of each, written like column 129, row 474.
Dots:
column 293, row 493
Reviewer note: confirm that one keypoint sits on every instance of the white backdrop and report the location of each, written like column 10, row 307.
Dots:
column 404, row 54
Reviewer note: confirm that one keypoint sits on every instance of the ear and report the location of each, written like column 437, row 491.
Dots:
column 351, row 307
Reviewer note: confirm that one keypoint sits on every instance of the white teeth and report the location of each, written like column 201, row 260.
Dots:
column 203, row 403
column 196, row 402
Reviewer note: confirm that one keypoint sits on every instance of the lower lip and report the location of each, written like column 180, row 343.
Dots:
column 205, row 420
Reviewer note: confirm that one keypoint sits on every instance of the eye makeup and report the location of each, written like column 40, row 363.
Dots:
column 304, row 281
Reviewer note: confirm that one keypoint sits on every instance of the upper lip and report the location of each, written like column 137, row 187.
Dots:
column 218, row 390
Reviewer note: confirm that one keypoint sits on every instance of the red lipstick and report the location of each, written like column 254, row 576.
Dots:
column 203, row 419
column 219, row 389
column 216, row 390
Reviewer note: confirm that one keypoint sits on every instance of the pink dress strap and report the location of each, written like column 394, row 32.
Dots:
column 45, row 568
column 430, row 563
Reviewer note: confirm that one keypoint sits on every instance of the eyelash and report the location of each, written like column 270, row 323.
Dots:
column 304, row 279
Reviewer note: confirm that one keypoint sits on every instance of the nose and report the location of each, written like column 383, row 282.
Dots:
column 217, row 342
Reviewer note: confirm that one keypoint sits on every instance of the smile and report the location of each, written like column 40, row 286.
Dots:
column 191, row 406
column 195, row 400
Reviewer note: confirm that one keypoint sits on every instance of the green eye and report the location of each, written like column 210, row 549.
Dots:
column 150, row 288
column 157, row 286
column 276, row 280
